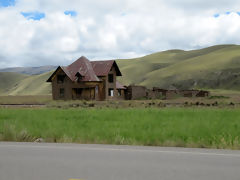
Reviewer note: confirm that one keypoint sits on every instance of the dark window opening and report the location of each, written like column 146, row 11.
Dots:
column 110, row 78
column 110, row 92
column 79, row 77
column 60, row 79
column 61, row 92
column 78, row 91
column 119, row 92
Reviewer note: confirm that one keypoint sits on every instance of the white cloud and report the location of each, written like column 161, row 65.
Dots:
column 110, row 29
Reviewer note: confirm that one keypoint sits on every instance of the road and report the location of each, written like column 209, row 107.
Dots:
column 43, row 161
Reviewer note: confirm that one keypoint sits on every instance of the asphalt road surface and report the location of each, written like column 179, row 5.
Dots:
column 43, row 161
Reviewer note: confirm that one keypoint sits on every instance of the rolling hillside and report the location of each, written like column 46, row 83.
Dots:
column 18, row 84
column 216, row 67
column 9, row 80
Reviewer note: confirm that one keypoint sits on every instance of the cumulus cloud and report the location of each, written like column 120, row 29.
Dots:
column 109, row 29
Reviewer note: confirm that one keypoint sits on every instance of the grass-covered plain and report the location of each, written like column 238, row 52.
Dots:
column 190, row 127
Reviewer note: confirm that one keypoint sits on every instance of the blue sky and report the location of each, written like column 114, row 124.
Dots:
column 33, row 15
column 6, row 3
column 56, row 32
column 71, row 13
column 225, row 13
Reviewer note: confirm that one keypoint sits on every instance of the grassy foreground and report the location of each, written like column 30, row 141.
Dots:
column 212, row 128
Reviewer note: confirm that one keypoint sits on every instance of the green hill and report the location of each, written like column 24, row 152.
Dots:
column 9, row 80
column 216, row 67
column 18, row 84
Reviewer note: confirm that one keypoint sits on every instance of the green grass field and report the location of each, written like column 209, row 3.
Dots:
column 189, row 127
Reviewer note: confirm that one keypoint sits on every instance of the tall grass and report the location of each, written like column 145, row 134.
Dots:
column 212, row 128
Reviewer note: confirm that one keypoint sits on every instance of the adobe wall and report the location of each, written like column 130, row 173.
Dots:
column 203, row 94
column 154, row 94
column 141, row 92
column 136, row 92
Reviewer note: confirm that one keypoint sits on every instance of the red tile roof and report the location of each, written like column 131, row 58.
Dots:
column 89, row 70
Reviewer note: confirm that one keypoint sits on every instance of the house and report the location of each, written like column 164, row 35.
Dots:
column 89, row 80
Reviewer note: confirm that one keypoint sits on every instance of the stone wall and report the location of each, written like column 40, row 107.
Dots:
column 141, row 92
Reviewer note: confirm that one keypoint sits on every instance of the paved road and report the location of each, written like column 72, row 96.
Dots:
column 29, row 161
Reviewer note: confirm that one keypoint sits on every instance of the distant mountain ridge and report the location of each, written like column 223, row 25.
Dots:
column 29, row 70
column 216, row 67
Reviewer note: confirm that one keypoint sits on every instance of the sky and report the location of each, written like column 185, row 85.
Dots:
column 57, row 32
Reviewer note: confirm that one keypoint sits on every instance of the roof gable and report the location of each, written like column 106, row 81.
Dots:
column 102, row 68
column 55, row 72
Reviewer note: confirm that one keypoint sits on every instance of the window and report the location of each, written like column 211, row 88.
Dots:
column 110, row 78
column 60, row 79
column 78, row 91
column 110, row 92
column 79, row 77
column 61, row 92
column 96, row 89
column 119, row 92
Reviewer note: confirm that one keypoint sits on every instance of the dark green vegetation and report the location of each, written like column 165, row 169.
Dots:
column 216, row 67
column 212, row 128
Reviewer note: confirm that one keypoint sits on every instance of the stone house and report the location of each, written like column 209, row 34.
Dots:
column 89, row 80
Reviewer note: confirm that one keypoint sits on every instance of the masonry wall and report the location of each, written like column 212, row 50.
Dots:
column 154, row 94
column 141, row 92
column 136, row 92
